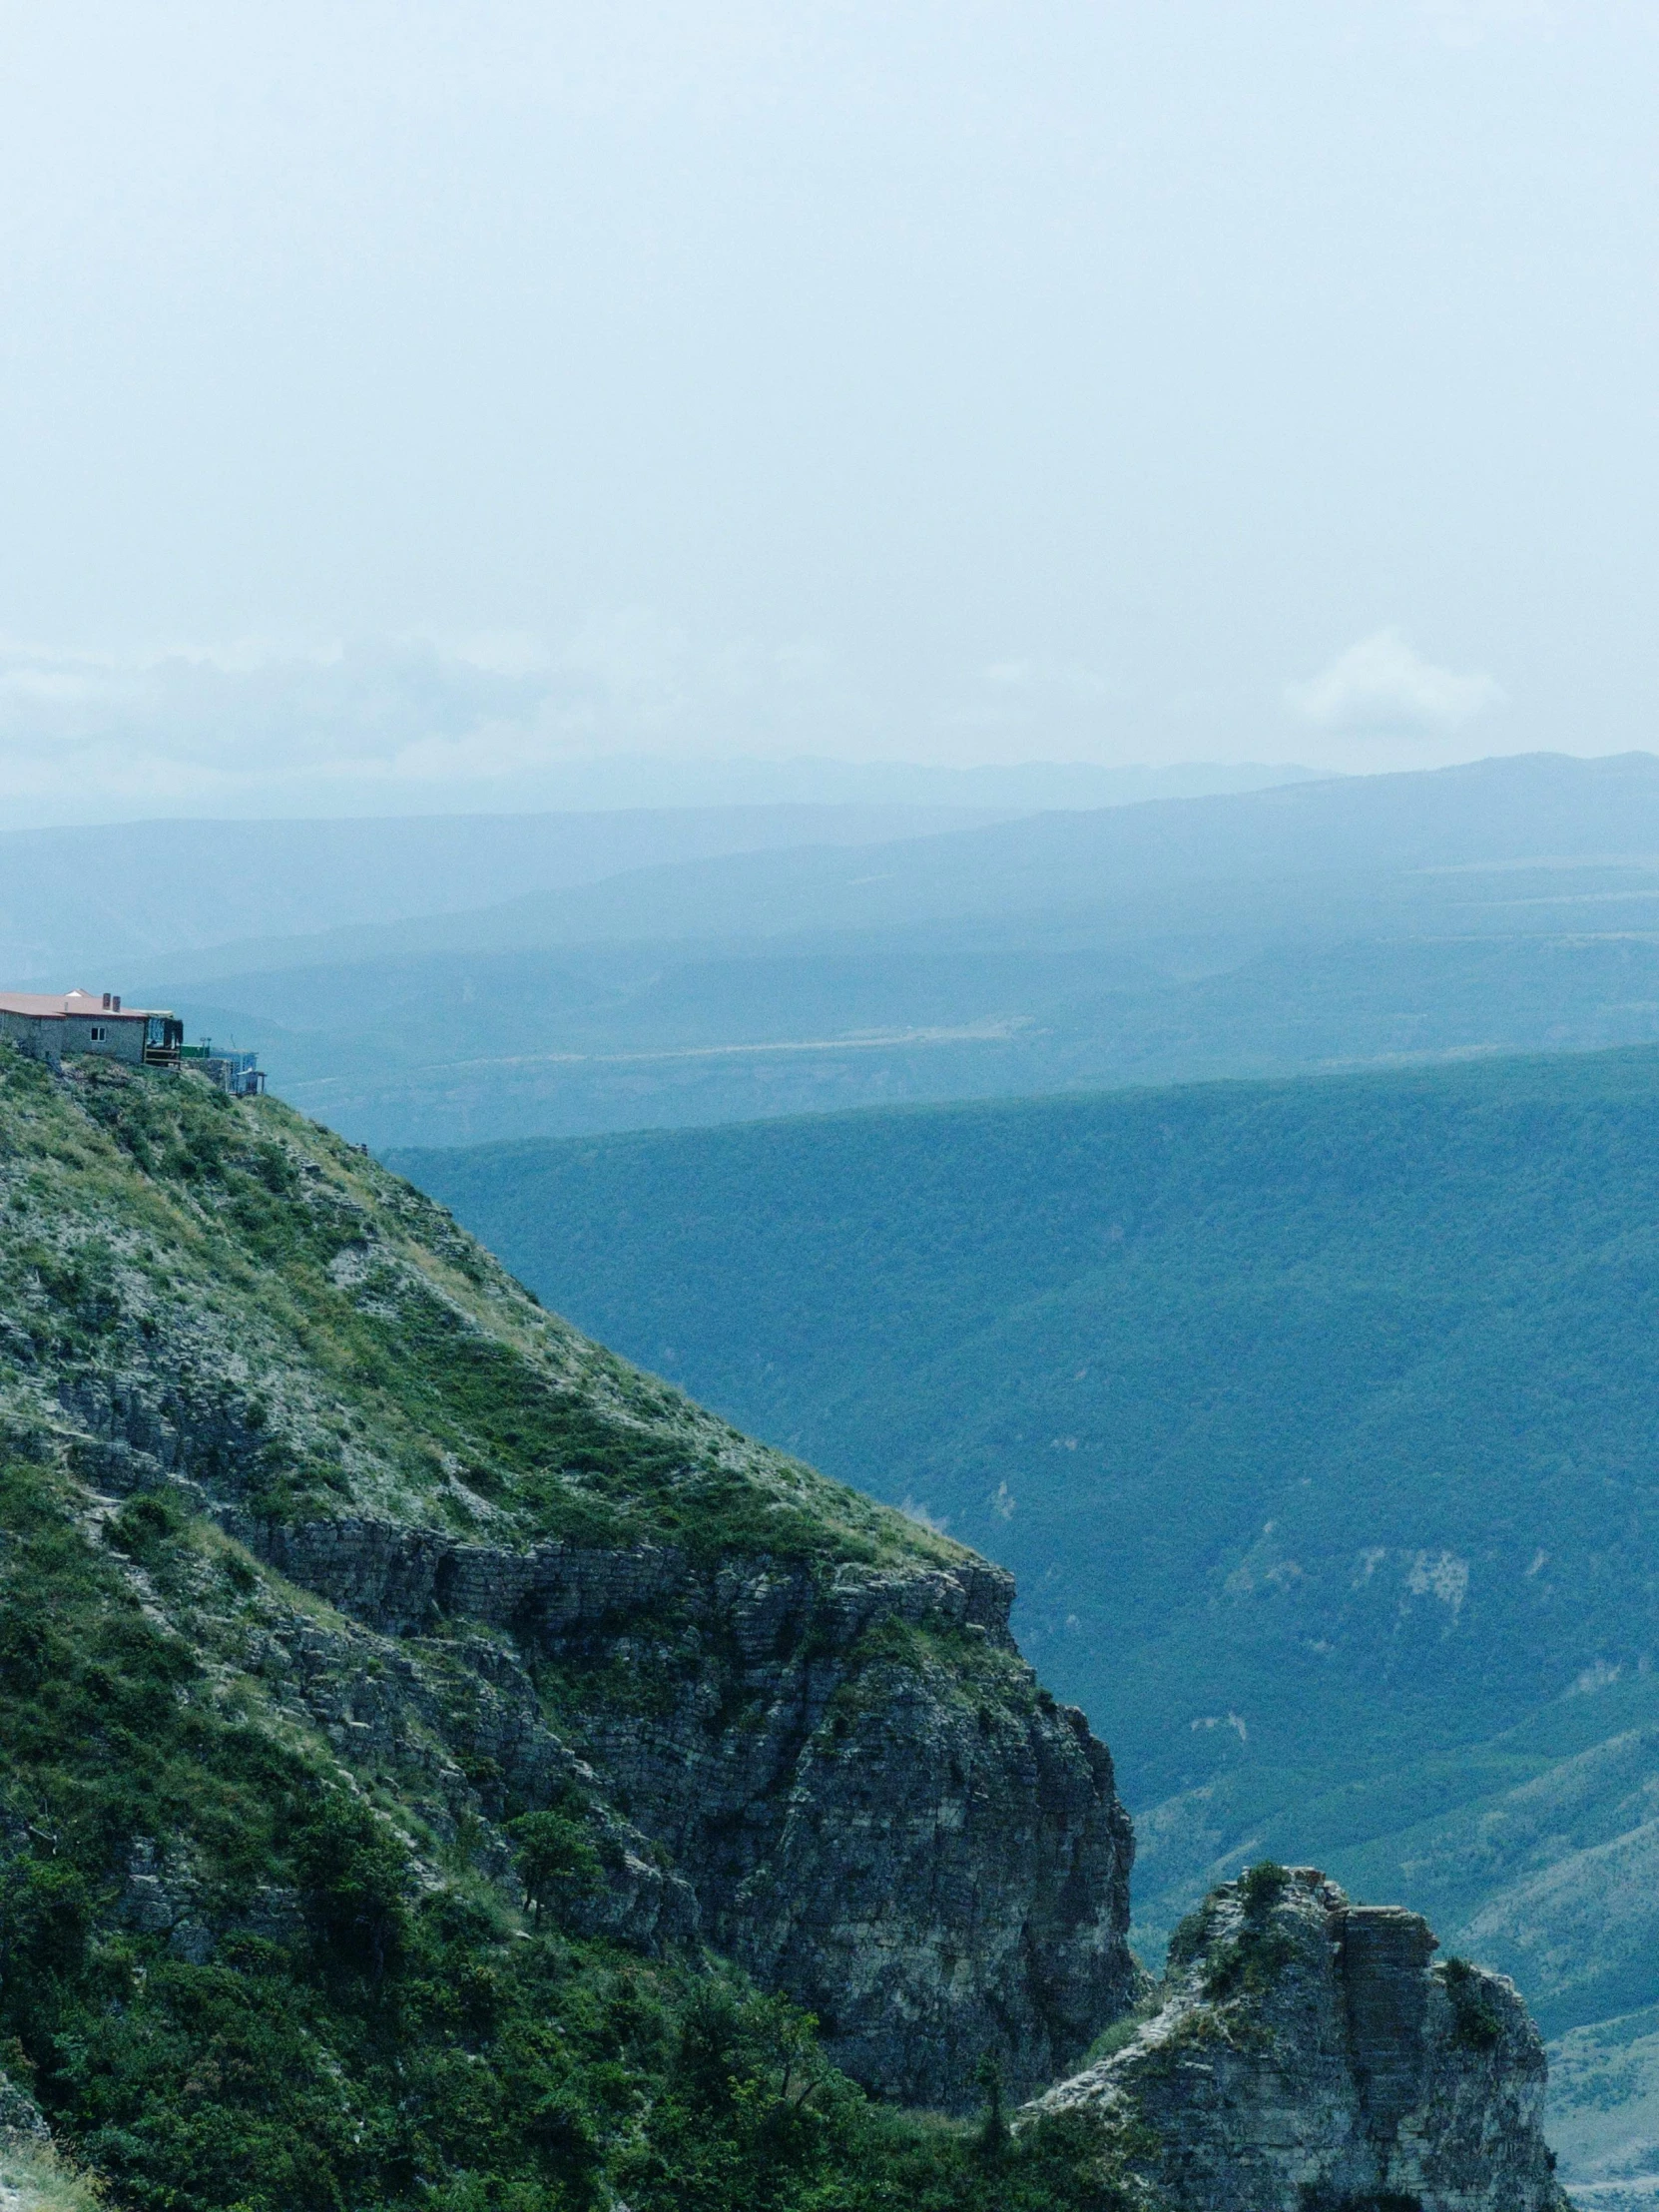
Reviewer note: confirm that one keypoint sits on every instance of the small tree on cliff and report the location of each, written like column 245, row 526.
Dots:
column 994, row 2128
column 555, row 1860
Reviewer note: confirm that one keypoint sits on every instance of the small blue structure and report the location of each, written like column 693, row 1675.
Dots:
column 239, row 1073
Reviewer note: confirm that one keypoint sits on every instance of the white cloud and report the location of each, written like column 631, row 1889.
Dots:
column 486, row 720
column 1383, row 686
column 386, row 722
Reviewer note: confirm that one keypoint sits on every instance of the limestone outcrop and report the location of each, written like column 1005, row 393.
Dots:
column 1307, row 2054
column 842, row 1775
column 874, row 1805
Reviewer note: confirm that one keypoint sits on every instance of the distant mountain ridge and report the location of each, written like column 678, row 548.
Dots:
column 116, row 891
column 1313, row 835
column 1510, row 905
column 621, row 782
column 119, row 892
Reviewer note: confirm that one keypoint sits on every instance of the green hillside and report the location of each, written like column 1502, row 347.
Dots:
column 404, row 1707
column 1318, row 1420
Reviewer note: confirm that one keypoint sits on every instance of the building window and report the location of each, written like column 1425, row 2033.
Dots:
column 99, row 1036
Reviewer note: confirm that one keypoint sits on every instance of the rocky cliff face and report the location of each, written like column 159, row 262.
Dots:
column 1309, row 2056
column 798, row 1725
column 874, row 1806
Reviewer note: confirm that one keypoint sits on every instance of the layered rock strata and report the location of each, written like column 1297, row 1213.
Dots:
column 1309, row 2056
column 876, row 1808
column 843, row 1776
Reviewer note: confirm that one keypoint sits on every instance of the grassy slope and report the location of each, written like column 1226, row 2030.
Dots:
column 1316, row 1419
column 139, row 1208
column 376, row 2022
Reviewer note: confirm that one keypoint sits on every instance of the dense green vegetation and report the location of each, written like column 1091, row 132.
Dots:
column 256, row 1957
column 1316, row 1419
column 403, row 2045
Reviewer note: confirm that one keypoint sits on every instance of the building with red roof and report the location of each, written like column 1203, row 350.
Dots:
column 49, row 1025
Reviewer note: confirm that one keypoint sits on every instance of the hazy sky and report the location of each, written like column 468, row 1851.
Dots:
column 413, row 393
